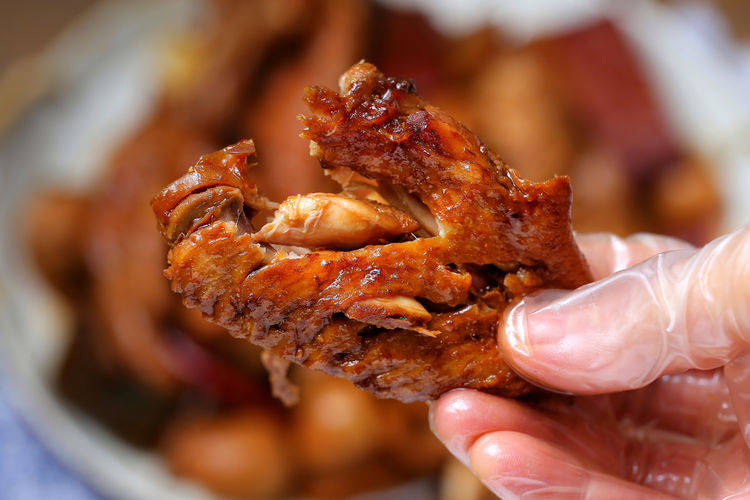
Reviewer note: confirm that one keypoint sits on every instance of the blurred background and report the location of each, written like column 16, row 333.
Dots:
column 109, row 388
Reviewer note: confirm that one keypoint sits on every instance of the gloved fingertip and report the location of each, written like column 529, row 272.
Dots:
column 527, row 328
column 573, row 341
column 517, row 465
column 531, row 322
column 447, row 419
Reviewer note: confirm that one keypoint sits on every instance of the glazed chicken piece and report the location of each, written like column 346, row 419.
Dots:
column 409, row 317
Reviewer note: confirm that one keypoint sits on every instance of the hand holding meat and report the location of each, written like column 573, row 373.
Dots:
column 673, row 330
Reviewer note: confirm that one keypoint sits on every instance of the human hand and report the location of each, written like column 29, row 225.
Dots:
column 671, row 330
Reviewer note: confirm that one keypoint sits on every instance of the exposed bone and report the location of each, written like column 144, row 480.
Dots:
column 345, row 175
column 369, row 189
column 400, row 198
column 391, row 312
column 324, row 220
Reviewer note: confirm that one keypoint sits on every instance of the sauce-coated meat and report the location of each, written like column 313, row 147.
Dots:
column 408, row 319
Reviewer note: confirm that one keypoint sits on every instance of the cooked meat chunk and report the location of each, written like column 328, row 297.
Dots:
column 324, row 220
column 240, row 454
column 362, row 314
column 390, row 312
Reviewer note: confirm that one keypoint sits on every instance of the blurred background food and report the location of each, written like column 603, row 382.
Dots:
column 577, row 102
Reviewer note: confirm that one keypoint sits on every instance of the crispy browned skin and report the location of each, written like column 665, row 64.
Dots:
column 498, row 237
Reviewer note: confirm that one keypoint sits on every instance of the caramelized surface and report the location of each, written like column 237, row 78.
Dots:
column 498, row 237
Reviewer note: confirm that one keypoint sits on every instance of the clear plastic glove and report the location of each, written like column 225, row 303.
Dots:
column 667, row 324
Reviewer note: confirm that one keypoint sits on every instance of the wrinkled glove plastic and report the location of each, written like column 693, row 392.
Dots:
column 652, row 362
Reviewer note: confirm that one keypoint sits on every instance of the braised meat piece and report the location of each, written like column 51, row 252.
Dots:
column 333, row 221
column 459, row 236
